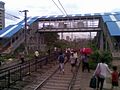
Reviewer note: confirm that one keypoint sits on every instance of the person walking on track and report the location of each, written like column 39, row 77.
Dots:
column 61, row 60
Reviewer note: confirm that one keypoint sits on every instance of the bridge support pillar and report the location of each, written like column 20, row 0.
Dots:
column 101, row 41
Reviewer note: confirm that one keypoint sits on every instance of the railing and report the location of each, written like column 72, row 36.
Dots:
column 10, row 75
column 82, row 29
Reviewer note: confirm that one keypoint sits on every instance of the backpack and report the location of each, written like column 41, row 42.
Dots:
column 61, row 59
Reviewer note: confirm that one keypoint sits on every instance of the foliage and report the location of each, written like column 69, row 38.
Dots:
column 106, row 56
column 94, row 47
column 50, row 39
column 62, row 44
column 2, row 59
column 97, row 56
column 92, row 64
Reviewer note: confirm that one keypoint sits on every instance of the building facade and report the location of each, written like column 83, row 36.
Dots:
column 2, row 15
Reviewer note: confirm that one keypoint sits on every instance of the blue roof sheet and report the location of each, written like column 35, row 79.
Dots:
column 108, row 18
column 113, row 28
column 77, row 14
column 12, row 29
column 32, row 20
column 112, row 24
column 87, row 14
column 97, row 14
column 117, row 16
column 22, row 21
column 117, row 12
column 107, row 13
column 43, row 17
column 5, row 29
column 15, row 30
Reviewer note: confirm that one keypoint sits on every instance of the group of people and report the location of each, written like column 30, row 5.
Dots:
column 73, row 57
column 68, row 56
column 101, row 73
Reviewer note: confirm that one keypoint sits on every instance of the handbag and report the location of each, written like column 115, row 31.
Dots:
column 93, row 82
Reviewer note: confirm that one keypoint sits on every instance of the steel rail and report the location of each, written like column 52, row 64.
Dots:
column 71, row 84
column 46, row 79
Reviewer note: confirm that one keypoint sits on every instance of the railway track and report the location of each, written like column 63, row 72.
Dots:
column 48, row 77
column 56, row 80
column 40, row 76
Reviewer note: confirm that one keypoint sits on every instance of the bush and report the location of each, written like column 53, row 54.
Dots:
column 92, row 64
column 97, row 56
column 107, row 56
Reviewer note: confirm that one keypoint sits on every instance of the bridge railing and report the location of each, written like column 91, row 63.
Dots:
column 9, row 75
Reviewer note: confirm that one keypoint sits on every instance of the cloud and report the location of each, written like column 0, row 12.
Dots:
column 47, row 7
column 116, row 10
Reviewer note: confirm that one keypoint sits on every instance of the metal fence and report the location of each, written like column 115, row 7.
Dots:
column 9, row 75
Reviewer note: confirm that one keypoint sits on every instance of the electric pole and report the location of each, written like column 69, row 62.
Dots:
column 25, row 30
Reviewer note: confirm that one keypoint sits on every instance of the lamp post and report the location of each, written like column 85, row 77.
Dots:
column 25, row 30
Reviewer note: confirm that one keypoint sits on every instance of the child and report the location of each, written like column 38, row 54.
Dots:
column 115, row 77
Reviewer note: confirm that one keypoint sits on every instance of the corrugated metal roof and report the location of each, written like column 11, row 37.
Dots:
column 114, row 28
column 12, row 29
column 107, row 18
column 113, row 23
column 5, row 29
column 111, row 17
column 32, row 20
column 89, row 14
column 117, row 16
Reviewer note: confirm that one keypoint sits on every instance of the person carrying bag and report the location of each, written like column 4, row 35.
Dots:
column 101, row 73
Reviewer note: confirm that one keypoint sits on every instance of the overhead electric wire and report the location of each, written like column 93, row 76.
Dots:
column 12, row 15
column 62, row 7
column 58, row 7
column 61, row 11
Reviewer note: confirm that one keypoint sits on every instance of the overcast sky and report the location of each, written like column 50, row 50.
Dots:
column 47, row 7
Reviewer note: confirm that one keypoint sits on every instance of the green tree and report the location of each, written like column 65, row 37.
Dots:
column 106, row 55
column 50, row 39
column 62, row 44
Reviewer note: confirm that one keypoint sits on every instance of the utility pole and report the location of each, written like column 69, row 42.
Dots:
column 25, row 30
column 90, row 40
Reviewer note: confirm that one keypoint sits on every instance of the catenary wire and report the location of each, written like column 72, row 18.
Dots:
column 62, row 7
column 58, row 7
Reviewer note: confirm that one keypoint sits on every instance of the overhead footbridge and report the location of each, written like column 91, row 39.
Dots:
column 106, row 25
